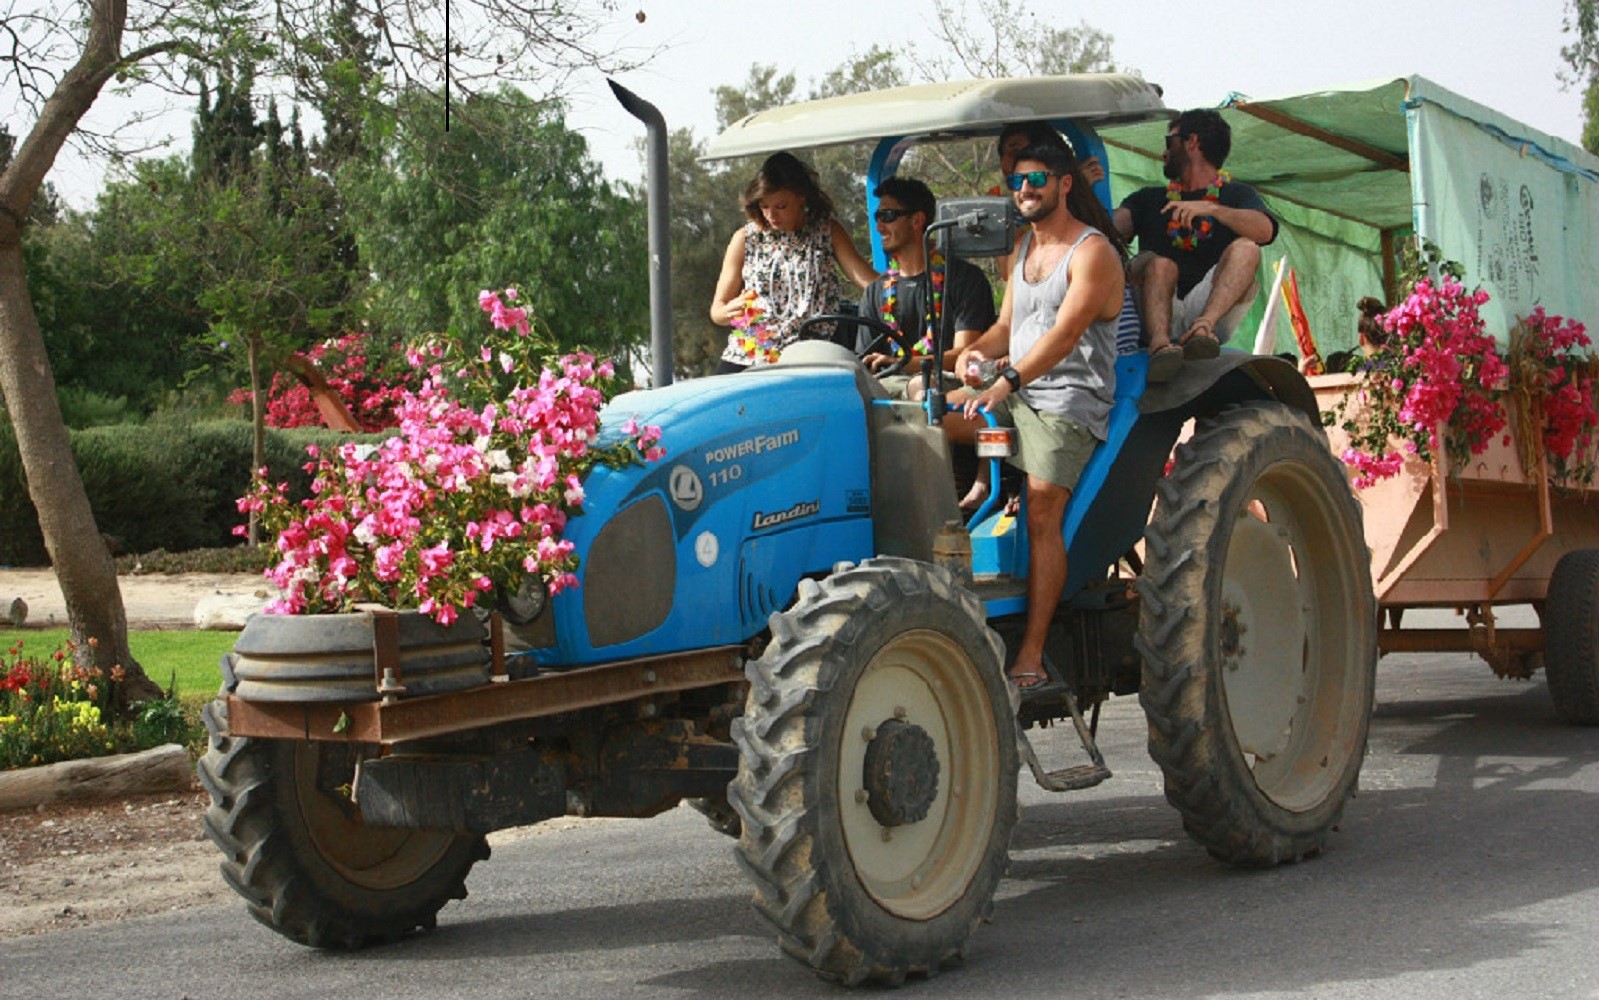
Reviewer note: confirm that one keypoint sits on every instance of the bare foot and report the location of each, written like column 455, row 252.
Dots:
column 975, row 496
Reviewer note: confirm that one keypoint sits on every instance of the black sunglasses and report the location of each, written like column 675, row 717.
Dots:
column 1037, row 178
column 887, row 215
column 1175, row 139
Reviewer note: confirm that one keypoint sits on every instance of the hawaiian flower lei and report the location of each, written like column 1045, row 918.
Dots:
column 1184, row 238
column 891, row 277
column 754, row 338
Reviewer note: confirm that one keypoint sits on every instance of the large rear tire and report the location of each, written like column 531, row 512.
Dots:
column 877, row 775
column 296, row 849
column 1258, row 636
column 1571, row 637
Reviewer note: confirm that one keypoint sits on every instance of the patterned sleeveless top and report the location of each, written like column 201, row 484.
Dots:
column 796, row 275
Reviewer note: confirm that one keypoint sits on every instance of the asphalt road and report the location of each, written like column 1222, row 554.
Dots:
column 1465, row 868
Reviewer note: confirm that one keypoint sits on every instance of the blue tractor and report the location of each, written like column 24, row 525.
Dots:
column 787, row 623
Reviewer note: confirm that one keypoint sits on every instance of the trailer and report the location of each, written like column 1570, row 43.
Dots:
column 1355, row 174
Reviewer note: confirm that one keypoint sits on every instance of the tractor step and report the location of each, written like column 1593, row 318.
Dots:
column 1068, row 779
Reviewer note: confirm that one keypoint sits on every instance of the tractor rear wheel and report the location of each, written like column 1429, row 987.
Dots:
column 1571, row 637
column 1258, row 635
column 877, row 775
column 297, row 850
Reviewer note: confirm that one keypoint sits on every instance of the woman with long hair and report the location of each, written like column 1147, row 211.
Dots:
column 781, row 267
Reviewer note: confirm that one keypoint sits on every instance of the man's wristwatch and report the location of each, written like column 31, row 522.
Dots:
column 1012, row 376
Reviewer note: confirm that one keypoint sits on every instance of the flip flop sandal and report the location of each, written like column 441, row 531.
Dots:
column 1164, row 363
column 1029, row 680
column 1201, row 344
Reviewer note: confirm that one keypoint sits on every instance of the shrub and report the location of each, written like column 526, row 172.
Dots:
column 81, row 407
column 163, row 485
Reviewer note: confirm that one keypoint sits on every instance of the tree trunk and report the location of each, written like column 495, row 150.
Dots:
column 82, row 563
column 83, row 566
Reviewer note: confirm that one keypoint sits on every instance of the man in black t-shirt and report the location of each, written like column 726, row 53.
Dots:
column 1199, row 241
column 901, row 296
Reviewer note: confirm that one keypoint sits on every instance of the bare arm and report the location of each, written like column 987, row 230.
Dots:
column 730, row 284
column 850, row 259
column 1122, row 219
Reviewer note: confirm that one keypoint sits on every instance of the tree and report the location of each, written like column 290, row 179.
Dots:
column 507, row 195
column 704, row 213
column 1010, row 40
column 1582, row 56
column 56, row 62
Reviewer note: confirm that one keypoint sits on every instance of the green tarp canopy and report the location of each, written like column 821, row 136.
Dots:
column 1354, row 172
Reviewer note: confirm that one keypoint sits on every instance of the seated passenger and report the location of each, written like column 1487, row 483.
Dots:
column 902, row 296
column 779, row 268
column 1057, row 326
column 1199, row 241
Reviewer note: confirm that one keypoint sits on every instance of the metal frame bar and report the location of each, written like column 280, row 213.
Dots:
column 397, row 720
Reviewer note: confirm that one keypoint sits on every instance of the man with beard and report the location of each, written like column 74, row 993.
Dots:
column 1199, row 241
column 1057, row 324
column 902, row 296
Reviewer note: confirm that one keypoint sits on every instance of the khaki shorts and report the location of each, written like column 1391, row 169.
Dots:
column 1048, row 446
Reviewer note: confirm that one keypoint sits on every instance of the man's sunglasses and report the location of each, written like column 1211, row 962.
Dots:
column 1037, row 178
column 887, row 215
column 1175, row 139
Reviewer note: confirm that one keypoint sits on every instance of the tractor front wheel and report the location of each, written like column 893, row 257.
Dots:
column 877, row 776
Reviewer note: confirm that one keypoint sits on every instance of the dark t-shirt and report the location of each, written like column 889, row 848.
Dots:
column 1149, row 226
column 968, row 302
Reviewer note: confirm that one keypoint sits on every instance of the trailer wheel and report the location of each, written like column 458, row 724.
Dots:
column 1258, row 636
column 877, row 774
column 1571, row 637
column 296, row 849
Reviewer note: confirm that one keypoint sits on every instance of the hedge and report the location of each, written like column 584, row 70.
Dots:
column 156, row 486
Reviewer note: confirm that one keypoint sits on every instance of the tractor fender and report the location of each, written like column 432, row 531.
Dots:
column 1115, row 493
column 1205, row 387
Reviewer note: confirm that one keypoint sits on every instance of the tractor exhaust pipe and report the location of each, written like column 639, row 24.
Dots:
column 658, row 198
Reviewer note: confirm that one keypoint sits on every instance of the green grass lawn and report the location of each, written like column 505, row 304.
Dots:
column 187, row 658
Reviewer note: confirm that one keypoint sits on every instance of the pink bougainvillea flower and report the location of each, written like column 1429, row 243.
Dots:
column 474, row 490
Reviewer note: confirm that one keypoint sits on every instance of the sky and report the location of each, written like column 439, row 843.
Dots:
column 1504, row 54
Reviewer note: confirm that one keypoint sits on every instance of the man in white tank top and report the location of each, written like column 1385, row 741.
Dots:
column 1057, row 331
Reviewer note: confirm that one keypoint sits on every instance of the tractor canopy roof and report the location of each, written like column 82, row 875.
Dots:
column 928, row 111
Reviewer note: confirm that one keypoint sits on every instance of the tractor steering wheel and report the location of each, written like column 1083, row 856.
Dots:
column 886, row 335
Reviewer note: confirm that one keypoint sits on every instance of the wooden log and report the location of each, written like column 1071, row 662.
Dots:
column 161, row 769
